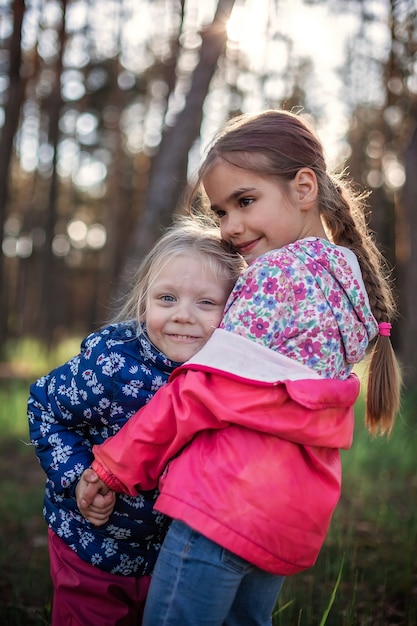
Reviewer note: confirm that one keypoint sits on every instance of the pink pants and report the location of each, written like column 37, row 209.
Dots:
column 86, row 596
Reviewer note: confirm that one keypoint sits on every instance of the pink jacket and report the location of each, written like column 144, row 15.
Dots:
column 257, row 467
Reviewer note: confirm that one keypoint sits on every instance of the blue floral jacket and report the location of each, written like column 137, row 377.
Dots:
column 82, row 403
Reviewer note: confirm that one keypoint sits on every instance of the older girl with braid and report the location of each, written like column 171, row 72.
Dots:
column 244, row 440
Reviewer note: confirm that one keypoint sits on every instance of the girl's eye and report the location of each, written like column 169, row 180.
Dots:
column 207, row 302
column 167, row 298
column 245, row 201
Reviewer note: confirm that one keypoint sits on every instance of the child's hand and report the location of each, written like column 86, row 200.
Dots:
column 94, row 499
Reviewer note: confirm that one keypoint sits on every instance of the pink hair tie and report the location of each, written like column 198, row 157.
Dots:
column 384, row 329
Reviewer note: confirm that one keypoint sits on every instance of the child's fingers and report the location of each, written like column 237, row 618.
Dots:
column 88, row 495
column 85, row 493
column 104, row 502
column 91, row 491
column 90, row 476
column 97, row 519
column 99, row 511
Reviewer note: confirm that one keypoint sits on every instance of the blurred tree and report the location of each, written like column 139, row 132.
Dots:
column 53, row 289
column 11, row 119
column 383, row 150
column 407, row 259
column 401, row 81
column 114, row 98
column 118, row 98
column 168, row 176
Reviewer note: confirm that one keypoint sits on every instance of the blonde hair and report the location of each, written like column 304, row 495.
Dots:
column 278, row 144
column 187, row 236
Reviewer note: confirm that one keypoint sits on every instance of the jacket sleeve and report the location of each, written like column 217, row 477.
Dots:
column 65, row 409
column 309, row 412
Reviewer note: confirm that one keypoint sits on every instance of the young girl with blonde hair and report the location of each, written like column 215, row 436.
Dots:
column 101, row 575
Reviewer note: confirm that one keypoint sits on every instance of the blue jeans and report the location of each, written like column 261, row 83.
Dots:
column 196, row 582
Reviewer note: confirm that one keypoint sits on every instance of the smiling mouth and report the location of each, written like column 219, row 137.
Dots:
column 183, row 338
column 247, row 247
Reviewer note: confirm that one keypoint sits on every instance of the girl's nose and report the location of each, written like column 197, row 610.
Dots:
column 231, row 227
column 183, row 312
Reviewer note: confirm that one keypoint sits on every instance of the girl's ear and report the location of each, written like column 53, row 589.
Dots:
column 306, row 188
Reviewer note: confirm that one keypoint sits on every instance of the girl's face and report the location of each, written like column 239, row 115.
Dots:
column 184, row 305
column 258, row 214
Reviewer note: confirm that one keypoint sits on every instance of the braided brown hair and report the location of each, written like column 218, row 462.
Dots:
column 278, row 144
column 343, row 213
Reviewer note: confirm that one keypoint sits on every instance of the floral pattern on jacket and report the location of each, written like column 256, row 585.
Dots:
column 78, row 405
column 305, row 301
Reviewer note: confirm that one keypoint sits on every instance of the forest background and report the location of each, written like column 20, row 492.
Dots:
column 106, row 107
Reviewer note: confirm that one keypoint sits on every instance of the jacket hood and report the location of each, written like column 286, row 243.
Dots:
column 335, row 266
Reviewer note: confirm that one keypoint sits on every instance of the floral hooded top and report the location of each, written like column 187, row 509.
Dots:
column 82, row 403
column 306, row 300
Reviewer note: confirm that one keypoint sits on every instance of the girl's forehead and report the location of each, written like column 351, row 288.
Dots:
column 184, row 259
column 208, row 265
column 188, row 275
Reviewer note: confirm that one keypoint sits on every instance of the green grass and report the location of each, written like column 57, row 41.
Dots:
column 28, row 358
column 25, row 587
column 366, row 574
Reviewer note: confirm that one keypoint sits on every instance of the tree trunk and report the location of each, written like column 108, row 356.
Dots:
column 54, row 291
column 408, row 242
column 11, row 121
column 169, row 171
